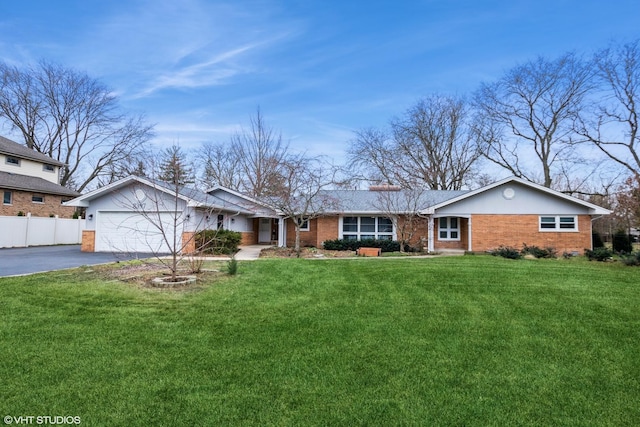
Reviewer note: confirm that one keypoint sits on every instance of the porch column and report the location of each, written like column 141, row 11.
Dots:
column 430, row 244
column 282, row 235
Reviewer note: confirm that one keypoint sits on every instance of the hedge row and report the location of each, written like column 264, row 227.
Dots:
column 218, row 241
column 354, row 245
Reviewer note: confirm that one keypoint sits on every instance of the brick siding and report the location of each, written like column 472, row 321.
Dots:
column 88, row 241
column 488, row 232
column 320, row 229
column 491, row 231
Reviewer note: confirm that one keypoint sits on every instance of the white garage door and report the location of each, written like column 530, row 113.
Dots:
column 132, row 232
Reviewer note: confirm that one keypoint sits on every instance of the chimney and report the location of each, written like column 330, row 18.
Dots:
column 385, row 187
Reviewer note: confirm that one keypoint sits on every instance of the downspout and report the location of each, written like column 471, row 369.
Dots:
column 282, row 235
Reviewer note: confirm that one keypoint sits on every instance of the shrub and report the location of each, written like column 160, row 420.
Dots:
column 218, row 241
column 232, row 267
column 622, row 242
column 598, row 254
column 539, row 252
column 596, row 240
column 354, row 245
column 633, row 259
column 507, row 252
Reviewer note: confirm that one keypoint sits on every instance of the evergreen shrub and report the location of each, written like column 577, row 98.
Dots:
column 218, row 241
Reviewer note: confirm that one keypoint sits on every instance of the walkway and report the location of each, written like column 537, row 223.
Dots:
column 249, row 252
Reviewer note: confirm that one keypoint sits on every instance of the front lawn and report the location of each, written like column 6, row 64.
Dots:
column 472, row 340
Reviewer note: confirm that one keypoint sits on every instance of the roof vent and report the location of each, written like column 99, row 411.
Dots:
column 385, row 187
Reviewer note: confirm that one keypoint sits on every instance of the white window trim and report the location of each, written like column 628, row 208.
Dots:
column 360, row 233
column 45, row 168
column 305, row 221
column 557, row 228
column 38, row 195
column 448, row 229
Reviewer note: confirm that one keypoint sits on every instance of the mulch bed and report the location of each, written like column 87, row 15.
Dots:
column 304, row 253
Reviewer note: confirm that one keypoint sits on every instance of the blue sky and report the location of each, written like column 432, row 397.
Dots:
column 317, row 69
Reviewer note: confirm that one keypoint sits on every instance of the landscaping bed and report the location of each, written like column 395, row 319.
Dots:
column 304, row 253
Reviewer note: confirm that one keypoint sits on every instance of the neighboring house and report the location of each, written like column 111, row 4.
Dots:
column 510, row 212
column 130, row 215
column 29, row 183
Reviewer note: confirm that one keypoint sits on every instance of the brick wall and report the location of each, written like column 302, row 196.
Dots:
column 491, row 231
column 188, row 242
column 21, row 202
column 88, row 241
column 420, row 227
column 320, row 229
column 248, row 238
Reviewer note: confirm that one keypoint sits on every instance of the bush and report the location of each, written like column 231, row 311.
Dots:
column 354, row 245
column 218, row 241
column 232, row 267
column 539, row 252
column 507, row 252
column 633, row 259
column 622, row 242
column 596, row 240
column 598, row 254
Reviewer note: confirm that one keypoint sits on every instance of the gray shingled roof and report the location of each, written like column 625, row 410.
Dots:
column 202, row 197
column 12, row 148
column 361, row 201
column 14, row 181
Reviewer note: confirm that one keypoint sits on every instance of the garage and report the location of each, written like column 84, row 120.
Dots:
column 133, row 232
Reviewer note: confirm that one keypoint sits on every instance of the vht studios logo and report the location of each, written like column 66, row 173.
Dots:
column 41, row 419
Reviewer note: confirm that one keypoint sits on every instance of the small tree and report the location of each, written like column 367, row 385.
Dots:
column 166, row 209
column 298, row 192
column 622, row 242
column 402, row 206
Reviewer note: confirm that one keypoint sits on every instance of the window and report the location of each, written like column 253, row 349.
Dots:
column 303, row 224
column 220, row 223
column 448, row 228
column 48, row 168
column 367, row 227
column 12, row 161
column 6, row 199
column 37, row 198
column 558, row 223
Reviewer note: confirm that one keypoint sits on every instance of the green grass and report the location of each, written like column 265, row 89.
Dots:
column 472, row 340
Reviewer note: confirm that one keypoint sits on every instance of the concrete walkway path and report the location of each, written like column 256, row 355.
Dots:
column 250, row 252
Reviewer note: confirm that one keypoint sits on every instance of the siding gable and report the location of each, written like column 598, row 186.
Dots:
column 513, row 198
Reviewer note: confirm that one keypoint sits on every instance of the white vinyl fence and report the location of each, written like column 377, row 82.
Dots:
column 22, row 231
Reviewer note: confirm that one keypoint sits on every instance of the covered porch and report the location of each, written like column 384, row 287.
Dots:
column 449, row 233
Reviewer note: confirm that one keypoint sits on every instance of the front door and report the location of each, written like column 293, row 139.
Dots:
column 264, row 230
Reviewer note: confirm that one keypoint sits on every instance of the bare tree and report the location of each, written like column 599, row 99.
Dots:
column 72, row 118
column 248, row 163
column 402, row 206
column 172, row 212
column 525, row 119
column 431, row 145
column 299, row 194
column 613, row 124
column 260, row 151
column 220, row 166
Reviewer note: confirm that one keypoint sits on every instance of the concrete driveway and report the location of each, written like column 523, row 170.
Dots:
column 36, row 259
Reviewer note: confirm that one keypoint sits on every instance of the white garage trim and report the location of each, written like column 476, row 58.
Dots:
column 133, row 232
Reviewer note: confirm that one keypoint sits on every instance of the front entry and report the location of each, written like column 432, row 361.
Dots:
column 264, row 230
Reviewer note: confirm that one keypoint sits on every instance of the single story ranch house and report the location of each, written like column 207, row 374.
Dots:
column 129, row 215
